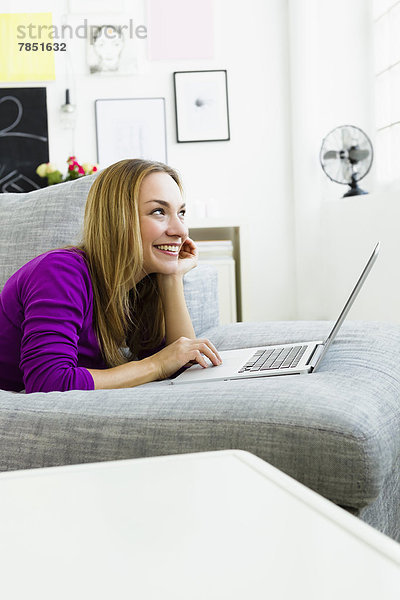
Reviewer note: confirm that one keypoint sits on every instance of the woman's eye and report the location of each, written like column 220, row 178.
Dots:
column 161, row 211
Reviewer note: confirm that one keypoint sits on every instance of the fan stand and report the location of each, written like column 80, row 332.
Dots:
column 354, row 189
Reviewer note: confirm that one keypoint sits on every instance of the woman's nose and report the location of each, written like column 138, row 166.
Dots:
column 177, row 228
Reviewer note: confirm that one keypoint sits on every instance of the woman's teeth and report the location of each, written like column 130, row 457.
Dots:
column 169, row 248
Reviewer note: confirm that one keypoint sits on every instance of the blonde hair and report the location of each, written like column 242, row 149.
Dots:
column 124, row 314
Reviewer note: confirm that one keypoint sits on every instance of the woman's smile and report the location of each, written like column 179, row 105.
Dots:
column 168, row 249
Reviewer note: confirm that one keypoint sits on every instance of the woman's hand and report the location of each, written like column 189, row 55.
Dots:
column 187, row 258
column 181, row 352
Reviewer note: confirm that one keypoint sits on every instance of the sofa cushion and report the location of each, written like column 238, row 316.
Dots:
column 336, row 430
column 40, row 220
column 201, row 297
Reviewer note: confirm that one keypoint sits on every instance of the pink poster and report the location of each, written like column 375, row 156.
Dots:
column 180, row 29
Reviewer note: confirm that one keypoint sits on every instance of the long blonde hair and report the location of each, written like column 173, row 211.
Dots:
column 124, row 314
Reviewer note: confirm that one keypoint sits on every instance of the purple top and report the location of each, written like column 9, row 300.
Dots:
column 47, row 340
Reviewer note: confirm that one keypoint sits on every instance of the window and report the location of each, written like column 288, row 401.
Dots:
column 387, row 88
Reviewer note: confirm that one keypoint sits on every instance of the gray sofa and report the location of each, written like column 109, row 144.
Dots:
column 337, row 431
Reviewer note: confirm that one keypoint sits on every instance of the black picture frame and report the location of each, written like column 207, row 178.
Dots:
column 201, row 106
column 24, row 136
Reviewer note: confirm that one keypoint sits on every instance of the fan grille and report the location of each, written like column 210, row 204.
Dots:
column 346, row 153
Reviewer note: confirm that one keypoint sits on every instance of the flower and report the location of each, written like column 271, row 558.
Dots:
column 41, row 170
column 75, row 170
column 50, row 168
column 89, row 168
column 45, row 168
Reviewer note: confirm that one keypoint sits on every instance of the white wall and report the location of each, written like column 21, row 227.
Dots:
column 352, row 226
column 249, row 177
column 332, row 84
column 296, row 69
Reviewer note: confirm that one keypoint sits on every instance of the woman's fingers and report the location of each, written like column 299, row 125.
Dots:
column 210, row 355
column 190, row 243
column 184, row 351
column 199, row 358
column 207, row 349
column 211, row 351
column 189, row 247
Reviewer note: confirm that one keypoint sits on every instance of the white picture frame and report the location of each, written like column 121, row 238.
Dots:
column 201, row 106
column 130, row 128
column 94, row 57
column 110, row 51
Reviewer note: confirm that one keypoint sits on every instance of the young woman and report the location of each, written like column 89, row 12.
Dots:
column 109, row 313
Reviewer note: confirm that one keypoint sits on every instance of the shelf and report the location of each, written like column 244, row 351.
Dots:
column 221, row 229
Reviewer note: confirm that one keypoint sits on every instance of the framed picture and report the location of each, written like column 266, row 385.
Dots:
column 201, row 106
column 105, row 45
column 112, row 48
column 130, row 128
column 23, row 138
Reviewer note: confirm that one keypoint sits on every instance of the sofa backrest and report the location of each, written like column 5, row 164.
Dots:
column 37, row 221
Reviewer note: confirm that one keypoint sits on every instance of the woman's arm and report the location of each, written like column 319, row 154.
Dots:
column 158, row 366
column 55, row 295
column 128, row 375
column 177, row 319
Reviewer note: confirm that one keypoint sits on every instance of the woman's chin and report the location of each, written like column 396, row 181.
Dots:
column 166, row 268
column 169, row 269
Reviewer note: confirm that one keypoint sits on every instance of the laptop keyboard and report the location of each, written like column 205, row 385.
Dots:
column 278, row 358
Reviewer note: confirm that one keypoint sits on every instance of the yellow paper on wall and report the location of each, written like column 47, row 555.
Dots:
column 19, row 61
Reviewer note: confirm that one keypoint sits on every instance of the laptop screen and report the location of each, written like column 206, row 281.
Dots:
column 351, row 299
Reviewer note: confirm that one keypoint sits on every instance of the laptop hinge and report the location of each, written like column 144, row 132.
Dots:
column 314, row 358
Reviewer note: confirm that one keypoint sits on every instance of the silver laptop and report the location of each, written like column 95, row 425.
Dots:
column 268, row 361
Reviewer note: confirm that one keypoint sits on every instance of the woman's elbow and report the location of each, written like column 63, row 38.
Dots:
column 59, row 380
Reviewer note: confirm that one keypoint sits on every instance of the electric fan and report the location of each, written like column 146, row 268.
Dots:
column 346, row 157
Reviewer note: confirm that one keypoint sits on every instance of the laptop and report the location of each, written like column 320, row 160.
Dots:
column 270, row 361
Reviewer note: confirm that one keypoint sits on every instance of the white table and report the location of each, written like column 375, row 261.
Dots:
column 210, row 525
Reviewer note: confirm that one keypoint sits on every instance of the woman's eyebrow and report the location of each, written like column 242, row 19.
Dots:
column 164, row 203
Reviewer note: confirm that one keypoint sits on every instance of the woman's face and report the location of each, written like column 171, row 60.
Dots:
column 162, row 223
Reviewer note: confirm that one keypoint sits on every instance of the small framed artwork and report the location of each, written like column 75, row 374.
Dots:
column 112, row 48
column 23, row 138
column 130, row 128
column 201, row 106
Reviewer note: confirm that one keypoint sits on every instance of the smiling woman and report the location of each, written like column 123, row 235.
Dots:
column 110, row 312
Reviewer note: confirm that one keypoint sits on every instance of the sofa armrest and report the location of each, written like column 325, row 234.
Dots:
column 201, row 294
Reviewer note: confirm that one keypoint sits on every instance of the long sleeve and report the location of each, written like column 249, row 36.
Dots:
column 56, row 298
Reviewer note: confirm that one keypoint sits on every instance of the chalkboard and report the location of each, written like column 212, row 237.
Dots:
column 23, row 138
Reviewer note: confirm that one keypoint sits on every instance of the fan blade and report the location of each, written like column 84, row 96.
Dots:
column 347, row 171
column 330, row 154
column 358, row 155
column 347, row 137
